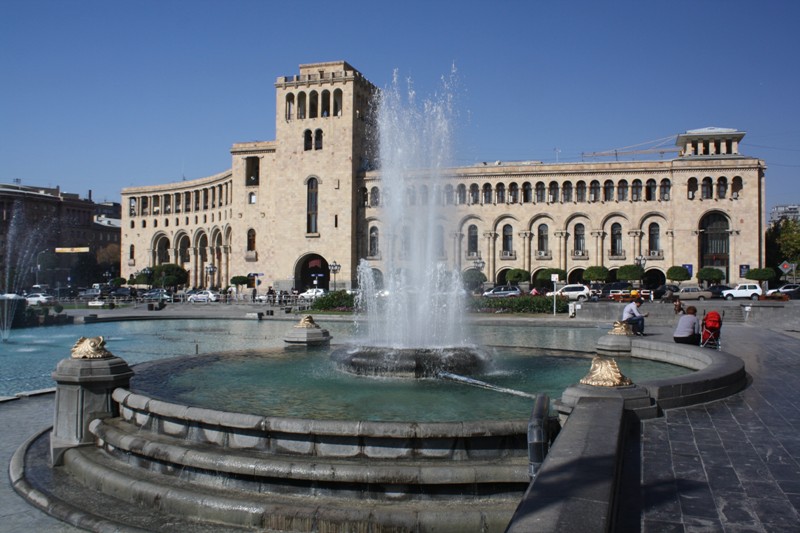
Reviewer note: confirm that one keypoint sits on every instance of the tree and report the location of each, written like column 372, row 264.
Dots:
column 473, row 279
column 710, row 274
column 630, row 273
column 170, row 275
column 788, row 240
column 596, row 274
column 516, row 276
column 543, row 276
column 678, row 273
column 760, row 274
column 238, row 281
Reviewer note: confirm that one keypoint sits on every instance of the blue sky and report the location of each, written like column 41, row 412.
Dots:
column 102, row 95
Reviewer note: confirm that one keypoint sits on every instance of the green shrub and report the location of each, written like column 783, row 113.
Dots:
column 334, row 301
column 520, row 304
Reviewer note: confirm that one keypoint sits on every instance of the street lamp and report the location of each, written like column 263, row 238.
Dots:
column 334, row 267
column 147, row 271
column 479, row 264
column 211, row 270
column 640, row 261
column 38, row 265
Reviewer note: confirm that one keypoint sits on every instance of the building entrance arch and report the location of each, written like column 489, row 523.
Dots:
column 311, row 272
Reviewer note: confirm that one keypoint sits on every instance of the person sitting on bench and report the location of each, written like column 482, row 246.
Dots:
column 632, row 316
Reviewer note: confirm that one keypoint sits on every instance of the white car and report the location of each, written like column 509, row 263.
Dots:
column 311, row 294
column 785, row 288
column 204, row 297
column 39, row 298
column 743, row 290
column 574, row 291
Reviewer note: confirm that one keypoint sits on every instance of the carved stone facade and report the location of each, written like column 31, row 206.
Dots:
column 289, row 207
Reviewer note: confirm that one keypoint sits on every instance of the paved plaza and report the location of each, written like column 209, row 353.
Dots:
column 732, row 465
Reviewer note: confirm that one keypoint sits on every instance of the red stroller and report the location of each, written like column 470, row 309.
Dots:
column 712, row 325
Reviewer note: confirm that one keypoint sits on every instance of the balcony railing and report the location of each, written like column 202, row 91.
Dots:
column 616, row 254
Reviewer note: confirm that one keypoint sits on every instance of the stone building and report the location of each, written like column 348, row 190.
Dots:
column 289, row 208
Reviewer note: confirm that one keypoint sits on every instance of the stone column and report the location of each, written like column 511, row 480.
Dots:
column 636, row 243
column 598, row 247
column 457, row 252
column 562, row 249
column 526, row 249
column 84, row 384
column 490, row 236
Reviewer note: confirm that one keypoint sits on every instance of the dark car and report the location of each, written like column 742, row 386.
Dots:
column 122, row 293
column 716, row 290
column 661, row 290
column 157, row 295
column 605, row 292
column 793, row 294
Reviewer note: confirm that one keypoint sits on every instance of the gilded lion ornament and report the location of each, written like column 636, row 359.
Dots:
column 90, row 348
column 605, row 373
column 307, row 322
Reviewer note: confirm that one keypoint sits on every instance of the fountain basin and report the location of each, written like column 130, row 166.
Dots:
column 410, row 362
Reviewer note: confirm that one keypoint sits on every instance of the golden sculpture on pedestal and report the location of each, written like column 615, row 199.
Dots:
column 307, row 322
column 621, row 328
column 605, row 373
column 90, row 348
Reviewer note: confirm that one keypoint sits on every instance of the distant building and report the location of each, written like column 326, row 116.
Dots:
column 780, row 212
column 36, row 221
column 289, row 208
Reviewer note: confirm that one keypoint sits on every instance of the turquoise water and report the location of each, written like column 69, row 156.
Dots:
column 27, row 361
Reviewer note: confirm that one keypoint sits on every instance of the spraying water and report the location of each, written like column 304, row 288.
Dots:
column 418, row 300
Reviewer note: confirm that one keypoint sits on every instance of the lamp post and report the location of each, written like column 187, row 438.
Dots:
column 211, row 270
column 640, row 261
column 38, row 265
column 334, row 267
column 147, row 271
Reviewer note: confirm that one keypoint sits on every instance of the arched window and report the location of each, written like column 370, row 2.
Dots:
column 487, row 193
column 448, row 195
column 501, row 193
column 608, row 191
column 326, row 103
column 736, row 187
column 616, row 239
column 527, row 193
column 542, row 245
column 513, row 193
column 707, row 189
column 472, row 240
column 622, row 191
column 714, row 241
column 311, row 206
column 374, row 244
column 636, row 191
column 552, row 192
column 289, row 106
column 654, row 239
column 461, row 194
column 313, row 104
column 317, row 139
column 301, row 105
column 474, row 194
column 423, row 195
column 580, row 239
column 691, row 188
column 374, row 197
column 664, row 190
column 722, row 187
column 566, row 191
column 337, row 103
column 508, row 239
column 307, row 140
column 251, row 240
column 251, row 198
column 650, row 190
column 580, row 192
column 131, row 252
column 594, row 191
column 540, row 192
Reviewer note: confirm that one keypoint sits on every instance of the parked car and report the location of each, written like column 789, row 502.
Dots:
column 157, row 295
column 743, row 290
column 617, row 286
column 204, row 297
column 693, row 292
column 661, row 290
column 717, row 290
column 574, row 291
column 122, row 293
column 39, row 298
column 503, row 291
column 89, row 294
column 311, row 294
column 793, row 294
column 786, row 288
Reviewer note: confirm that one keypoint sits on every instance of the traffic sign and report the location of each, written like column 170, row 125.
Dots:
column 786, row 267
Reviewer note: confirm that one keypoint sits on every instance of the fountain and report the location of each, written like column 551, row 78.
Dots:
column 414, row 308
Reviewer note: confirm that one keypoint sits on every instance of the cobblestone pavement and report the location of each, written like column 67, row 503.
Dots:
column 732, row 465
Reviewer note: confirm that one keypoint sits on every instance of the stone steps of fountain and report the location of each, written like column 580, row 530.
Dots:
column 261, row 471
column 224, row 503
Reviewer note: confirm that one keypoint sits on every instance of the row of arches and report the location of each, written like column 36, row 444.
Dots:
column 553, row 192
column 200, row 199
column 313, row 104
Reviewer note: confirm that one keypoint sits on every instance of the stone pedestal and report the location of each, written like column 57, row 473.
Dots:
column 83, row 393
